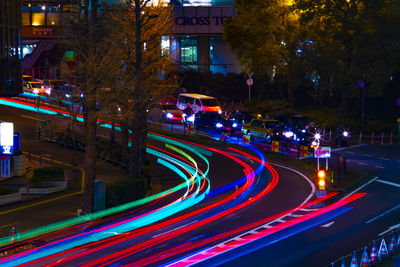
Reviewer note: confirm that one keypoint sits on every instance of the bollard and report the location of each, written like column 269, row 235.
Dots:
column 391, row 138
column 372, row 138
column 382, row 139
column 360, row 139
column 330, row 135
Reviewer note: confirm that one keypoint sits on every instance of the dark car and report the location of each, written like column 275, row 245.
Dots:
column 240, row 118
column 298, row 128
column 214, row 121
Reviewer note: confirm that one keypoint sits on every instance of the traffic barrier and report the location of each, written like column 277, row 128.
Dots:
column 398, row 241
column 275, row 146
column 392, row 244
column 13, row 233
column 246, row 139
column 304, row 151
column 190, row 128
column 343, row 264
column 375, row 258
column 364, row 259
column 222, row 138
column 354, row 260
column 383, row 251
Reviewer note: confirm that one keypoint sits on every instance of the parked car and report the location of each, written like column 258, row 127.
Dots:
column 52, row 84
column 240, row 118
column 214, row 121
column 36, row 88
column 165, row 112
column 267, row 129
column 198, row 103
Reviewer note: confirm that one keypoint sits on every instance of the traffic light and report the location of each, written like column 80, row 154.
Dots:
column 321, row 175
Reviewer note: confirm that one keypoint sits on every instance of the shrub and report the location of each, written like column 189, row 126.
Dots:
column 48, row 174
column 121, row 192
column 4, row 190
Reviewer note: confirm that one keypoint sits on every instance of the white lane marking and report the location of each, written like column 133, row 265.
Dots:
column 380, row 167
column 387, row 182
column 350, row 152
column 186, row 260
column 32, row 118
column 328, row 224
column 382, row 214
column 174, row 229
column 294, row 215
column 390, row 229
column 308, row 210
column 384, row 158
column 356, row 190
column 362, row 163
column 350, row 147
column 279, row 220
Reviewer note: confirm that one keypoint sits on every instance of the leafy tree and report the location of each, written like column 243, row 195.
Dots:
column 349, row 44
column 138, row 28
column 88, row 35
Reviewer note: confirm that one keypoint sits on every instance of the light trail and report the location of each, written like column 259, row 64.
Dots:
column 165, row 212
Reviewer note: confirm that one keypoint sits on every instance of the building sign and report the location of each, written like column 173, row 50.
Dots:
column 193, row 21
column 6, row 138
column 42, row 31
column 322, row 152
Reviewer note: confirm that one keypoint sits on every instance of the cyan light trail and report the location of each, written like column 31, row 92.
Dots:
column 98, row 234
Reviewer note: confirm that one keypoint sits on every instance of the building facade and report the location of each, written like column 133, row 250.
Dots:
column 194, row 43
column 10, row 48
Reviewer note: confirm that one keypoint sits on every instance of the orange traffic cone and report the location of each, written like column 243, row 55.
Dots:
column 364, row 259
column 383, row 251
column 354, row 260
column 13, row 233
column 392, row 245
column 374, row 254
column 343, row 264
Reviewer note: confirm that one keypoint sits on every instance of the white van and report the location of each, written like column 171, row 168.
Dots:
column 198, row 103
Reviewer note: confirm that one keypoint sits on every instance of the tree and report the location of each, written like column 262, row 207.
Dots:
column 95, row 66
column 264, row 38
column 347, row 36
column 138, row 28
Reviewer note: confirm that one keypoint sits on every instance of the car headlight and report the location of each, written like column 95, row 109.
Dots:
column 219, row 125
column 35, row 91
column 191, row 119
column 220, row 111
column 345, row 133
column 48, row 91
column 234, row 125
column 81, row 95
column 317, row 136
column 288, row 134
column 67, row 95
column 169, row 115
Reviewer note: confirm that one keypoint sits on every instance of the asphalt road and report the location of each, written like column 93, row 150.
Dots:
column 314, row 242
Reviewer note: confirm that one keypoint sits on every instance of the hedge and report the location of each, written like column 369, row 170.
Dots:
column 4, row 190
column 48, row 174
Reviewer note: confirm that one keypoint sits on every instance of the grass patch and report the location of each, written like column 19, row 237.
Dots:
column 4, row 190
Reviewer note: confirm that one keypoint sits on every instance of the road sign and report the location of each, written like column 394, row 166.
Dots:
column 249, row 81
column 322, row 152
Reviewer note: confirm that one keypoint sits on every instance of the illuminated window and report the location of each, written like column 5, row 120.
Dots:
column 38, row 19
column 165, row 45
column 189, row 50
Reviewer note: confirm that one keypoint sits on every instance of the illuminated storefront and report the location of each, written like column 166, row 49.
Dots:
column 10, row 52
column 196, row 41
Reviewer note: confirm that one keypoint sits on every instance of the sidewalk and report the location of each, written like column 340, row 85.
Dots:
column 55, row 210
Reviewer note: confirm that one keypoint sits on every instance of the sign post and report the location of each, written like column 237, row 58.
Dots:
column 37, row 117
column 7, row 147
column 250, row 82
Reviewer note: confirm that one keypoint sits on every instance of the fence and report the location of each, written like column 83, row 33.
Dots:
column 348, row 259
